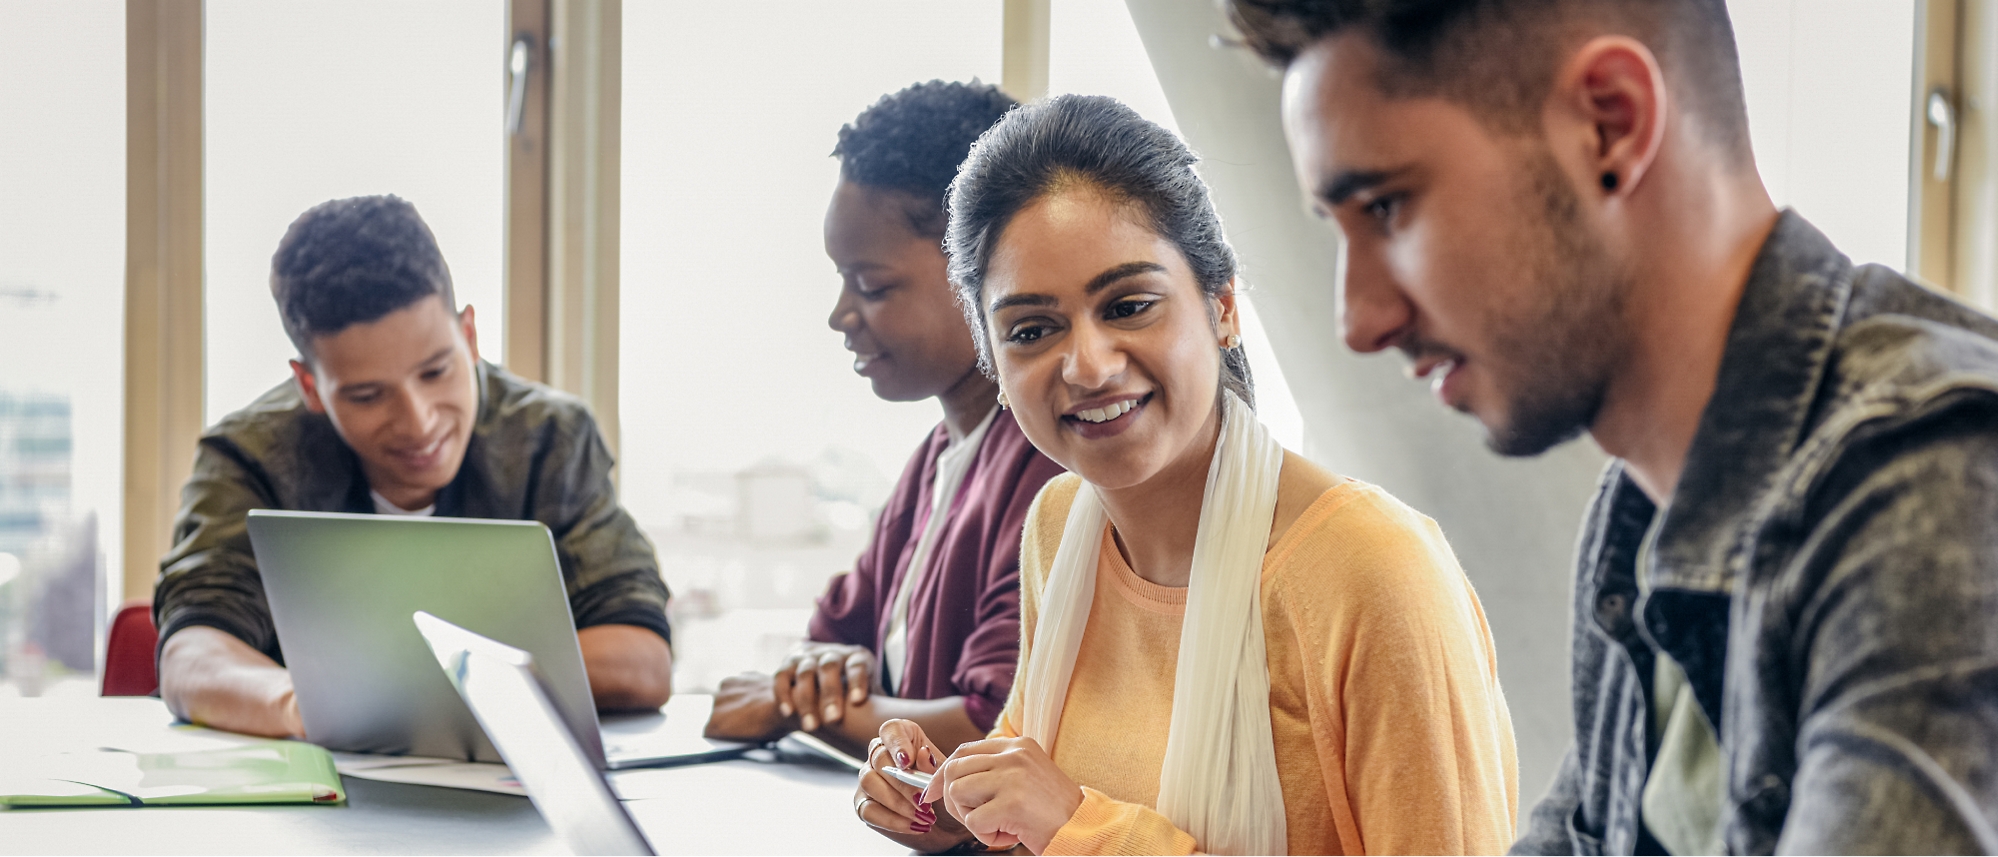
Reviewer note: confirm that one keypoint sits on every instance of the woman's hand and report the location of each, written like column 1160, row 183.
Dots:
column 819, row 680
column 891, row 806
column 1007, row 791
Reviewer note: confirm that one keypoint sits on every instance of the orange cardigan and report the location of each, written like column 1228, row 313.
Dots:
column 1391, row 732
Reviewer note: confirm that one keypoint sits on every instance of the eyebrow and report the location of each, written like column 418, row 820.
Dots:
column 1096, row 284
column 371, row 386
column 441, row 354
column 1342, row 187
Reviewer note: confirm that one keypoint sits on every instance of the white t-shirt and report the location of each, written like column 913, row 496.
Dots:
column 384, row 507
column 952, row 464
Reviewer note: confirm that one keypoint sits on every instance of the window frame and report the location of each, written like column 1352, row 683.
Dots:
column 560, row 294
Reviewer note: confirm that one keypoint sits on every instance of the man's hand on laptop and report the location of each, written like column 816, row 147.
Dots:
column 210, row 677
column 819, row 680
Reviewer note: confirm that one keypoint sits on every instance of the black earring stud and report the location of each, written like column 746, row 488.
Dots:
column 1609, row 181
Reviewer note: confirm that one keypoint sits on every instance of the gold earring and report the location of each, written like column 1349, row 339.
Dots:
column 1003, row 404
column 1234, row 341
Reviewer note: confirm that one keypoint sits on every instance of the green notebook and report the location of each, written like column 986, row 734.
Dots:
column 266, row 772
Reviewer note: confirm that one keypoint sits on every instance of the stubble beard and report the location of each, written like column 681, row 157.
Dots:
column 1556, row 356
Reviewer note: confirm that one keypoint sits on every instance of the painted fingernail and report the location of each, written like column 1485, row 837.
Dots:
column 858, row 695
column 901, row 759
column 832, row 713
column 919, row 828
column 811, row 723
column 784, row 708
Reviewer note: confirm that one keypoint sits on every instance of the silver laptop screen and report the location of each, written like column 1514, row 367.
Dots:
column 499, row 684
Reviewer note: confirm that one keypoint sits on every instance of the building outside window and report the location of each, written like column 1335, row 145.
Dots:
column 62, row 275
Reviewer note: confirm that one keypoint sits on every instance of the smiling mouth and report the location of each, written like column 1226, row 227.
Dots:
column 1108, row 419
column 425, row 455
column 1107, row 412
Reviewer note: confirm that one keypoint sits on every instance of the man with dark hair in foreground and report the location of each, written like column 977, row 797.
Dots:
column 1782, row 620
column 391, row 411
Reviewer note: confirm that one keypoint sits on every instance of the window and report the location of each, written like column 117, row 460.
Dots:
column 752, row 454
column 311, row 101
column 62, row 240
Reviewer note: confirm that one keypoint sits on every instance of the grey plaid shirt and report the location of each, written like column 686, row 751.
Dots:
column 535, row 455
column 1826, row 572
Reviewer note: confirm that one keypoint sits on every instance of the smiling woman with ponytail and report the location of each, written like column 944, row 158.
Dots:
column 1224, row 647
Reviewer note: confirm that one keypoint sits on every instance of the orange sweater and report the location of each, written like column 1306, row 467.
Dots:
column 1391, row 732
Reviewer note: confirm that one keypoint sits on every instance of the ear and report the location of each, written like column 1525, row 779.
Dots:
column 470, row 330
column 1227, row 318
column 1612, row 93
column 308, row 386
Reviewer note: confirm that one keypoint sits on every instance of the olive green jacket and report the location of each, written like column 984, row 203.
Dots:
column 535, row 455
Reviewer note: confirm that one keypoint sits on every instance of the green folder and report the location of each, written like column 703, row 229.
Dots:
column 262, row 773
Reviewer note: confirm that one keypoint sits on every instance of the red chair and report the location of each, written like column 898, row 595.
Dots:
column 129, row 665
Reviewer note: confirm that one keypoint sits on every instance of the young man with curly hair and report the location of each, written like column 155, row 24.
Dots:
column 390, row 411
column 926, row 626
column 1782, row 633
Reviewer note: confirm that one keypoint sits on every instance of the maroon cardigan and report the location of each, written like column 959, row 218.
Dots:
column 964, row 618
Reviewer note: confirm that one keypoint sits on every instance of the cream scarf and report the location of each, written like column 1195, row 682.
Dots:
column 1219, row 780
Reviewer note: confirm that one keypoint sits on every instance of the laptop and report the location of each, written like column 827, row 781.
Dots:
column 509, row 697
column 341, row 590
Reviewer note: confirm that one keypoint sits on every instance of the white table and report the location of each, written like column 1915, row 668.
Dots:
column 792, row 806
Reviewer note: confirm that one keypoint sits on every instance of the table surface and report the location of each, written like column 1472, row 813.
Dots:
column 768, row 806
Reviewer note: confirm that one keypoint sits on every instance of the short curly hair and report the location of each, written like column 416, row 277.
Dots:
column 352, row 261
column 1498, row 57
column 913, row 140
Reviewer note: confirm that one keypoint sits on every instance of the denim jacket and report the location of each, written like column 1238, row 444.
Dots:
column 1826, row 572
column 535, row 455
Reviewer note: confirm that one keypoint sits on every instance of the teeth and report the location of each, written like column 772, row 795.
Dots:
column 1440, row 372
column 1107, row 413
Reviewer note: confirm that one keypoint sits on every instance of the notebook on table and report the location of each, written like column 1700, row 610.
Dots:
column 267, row 772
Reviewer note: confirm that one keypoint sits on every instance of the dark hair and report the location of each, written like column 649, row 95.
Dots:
column 912, row 141
column 1498, row 56
column 1092, row 140
column 351, row 261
